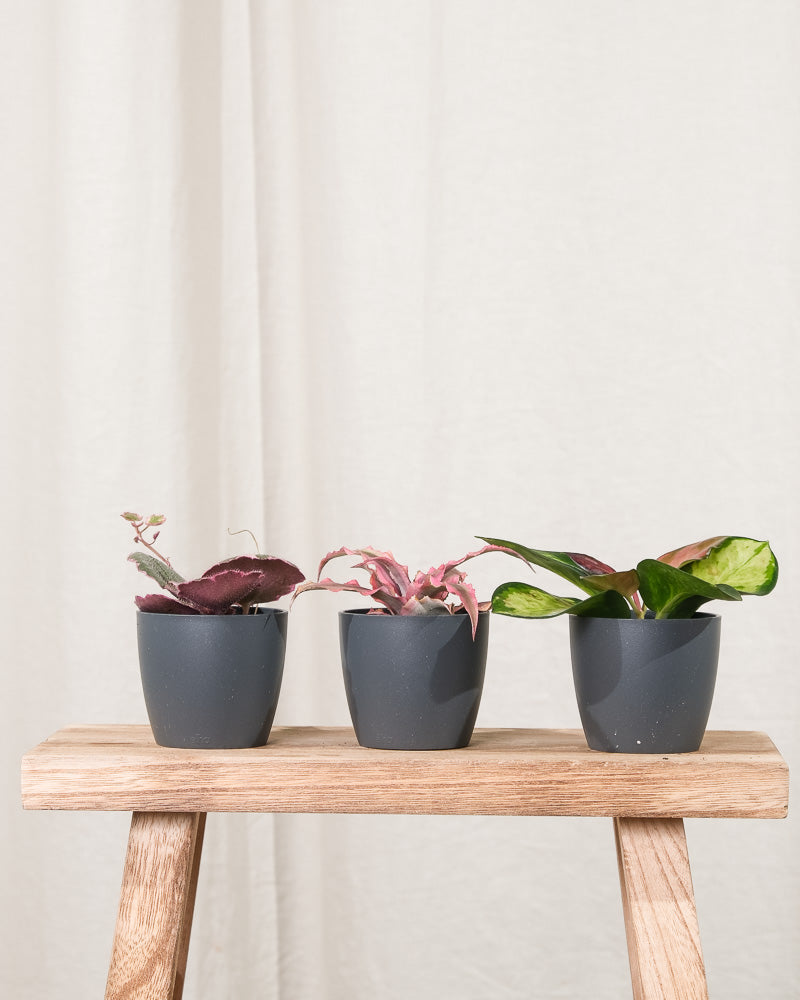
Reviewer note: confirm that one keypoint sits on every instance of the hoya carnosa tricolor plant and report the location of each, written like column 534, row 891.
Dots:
column 722, row 568
column 390, row 584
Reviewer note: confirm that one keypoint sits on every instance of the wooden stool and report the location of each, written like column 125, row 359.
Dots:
column 504, row 772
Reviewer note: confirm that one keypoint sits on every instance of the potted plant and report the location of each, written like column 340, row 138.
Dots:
column 211, row 656
column 644, row 660
column 413, row 666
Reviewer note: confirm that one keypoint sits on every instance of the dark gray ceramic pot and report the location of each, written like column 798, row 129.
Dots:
column 413, row 682
column 644, row 685
column 212, row 681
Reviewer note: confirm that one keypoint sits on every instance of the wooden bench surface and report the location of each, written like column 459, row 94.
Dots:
column 513, row 772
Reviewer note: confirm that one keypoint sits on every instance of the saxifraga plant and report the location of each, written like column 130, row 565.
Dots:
column 231, row 587
column 675, row 585
column 429, row 593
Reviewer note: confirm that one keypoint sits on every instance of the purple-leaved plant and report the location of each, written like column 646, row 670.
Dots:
column 233, row 586
column 390, row 584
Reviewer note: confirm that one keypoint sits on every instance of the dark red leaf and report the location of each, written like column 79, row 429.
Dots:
column 160, row 604
column 215, row 595
column 276, row 577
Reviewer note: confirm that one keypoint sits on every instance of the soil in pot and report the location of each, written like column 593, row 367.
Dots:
column 413, row 682
column 212, row 681
column 644, row 685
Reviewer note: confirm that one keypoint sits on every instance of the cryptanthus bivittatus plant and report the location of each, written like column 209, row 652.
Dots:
column 390, row 584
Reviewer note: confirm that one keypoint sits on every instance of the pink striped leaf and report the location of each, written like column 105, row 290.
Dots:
column 689, row 553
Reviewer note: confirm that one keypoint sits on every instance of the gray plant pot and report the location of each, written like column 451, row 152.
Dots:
column 413, row 682
column 212, row 681
column 644, row 685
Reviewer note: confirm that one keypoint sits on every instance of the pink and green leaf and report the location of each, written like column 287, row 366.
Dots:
column 522, row 600
column 674, row 593
column 625, row 583
column 575, row 567
column 747, row 564
column 156, row 569
column 689, row 553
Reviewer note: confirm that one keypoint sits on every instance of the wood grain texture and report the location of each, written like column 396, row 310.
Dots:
column 188, row 909
column 534, row 772
column 151, row 940
column 658, row 904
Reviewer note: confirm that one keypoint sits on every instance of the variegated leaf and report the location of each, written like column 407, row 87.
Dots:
column 747, row 564
column 575, row 567
column 689, row 553
column 674, row 593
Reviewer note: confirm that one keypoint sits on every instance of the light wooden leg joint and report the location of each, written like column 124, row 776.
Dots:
column 660, row 917
column 151, row 941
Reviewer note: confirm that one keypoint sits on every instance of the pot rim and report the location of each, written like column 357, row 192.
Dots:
column 388, row 614
column 263, row 609
column 649, row 618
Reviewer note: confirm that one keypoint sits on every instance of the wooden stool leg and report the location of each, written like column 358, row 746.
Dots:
column 188, row 913
column 660, row 917
column 151, row 940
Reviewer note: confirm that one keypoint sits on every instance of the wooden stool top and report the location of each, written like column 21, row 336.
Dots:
column 508, row 772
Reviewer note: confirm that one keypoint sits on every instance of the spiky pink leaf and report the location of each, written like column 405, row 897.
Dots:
column 331, row 585
column 446, row 567
column 386, row 576
column 466, row 592
column 689, row 553
column 590, row 564
column 425, row 606
column 160, row 604
column 395, row 575
column 424, row 585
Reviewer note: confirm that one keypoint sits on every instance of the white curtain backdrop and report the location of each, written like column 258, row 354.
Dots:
column 393, row 272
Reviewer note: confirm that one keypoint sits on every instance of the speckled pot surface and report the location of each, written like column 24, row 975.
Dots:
column 212, row 681
column 644, row 685
column 413, row 682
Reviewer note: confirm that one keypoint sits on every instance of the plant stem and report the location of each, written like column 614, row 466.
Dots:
column 638, row 611
column 148, row 545
column 246, row 531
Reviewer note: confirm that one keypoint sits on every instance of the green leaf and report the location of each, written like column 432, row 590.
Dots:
column 130, row 516
column 522, row 600
column 609, row 604
column 155, row 519
column 674, row 593
column 746, row 564
column 563, row 564
column 155, row 568
column 625, row 583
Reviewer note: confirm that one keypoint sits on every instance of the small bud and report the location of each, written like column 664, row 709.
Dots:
column 131, row 517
